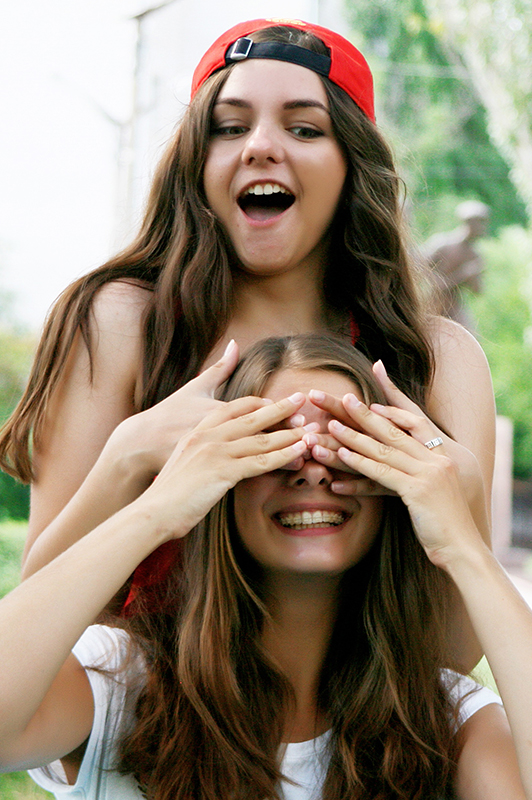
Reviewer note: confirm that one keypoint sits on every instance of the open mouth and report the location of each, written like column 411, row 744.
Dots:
column 264, row 201
column 303, row 520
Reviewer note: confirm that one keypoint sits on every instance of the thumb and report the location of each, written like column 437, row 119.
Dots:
column 394, row 395
column 214, row 376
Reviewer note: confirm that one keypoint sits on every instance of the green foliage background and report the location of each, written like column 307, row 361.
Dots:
column 16, row 349
column 427, row 107
column 504, row 318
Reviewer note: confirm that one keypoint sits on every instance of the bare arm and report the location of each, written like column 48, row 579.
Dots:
column 97, row 455
column 429, row 485
column 82, row 416
column 45, row 704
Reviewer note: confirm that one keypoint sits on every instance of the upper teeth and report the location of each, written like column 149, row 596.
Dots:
column 311, row 518
column 266, row 188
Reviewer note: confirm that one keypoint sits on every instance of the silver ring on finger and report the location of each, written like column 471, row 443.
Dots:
column 430, row 445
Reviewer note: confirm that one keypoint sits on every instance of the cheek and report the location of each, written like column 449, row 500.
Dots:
column 331, row 179
column 213, row 173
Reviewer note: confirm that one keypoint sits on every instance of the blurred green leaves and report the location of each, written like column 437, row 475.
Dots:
column 504, row 317
column 16, row 349
column 428, row 108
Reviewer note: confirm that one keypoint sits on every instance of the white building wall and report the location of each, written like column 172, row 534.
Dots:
column 172, row 38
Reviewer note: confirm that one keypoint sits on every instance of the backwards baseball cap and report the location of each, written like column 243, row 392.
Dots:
column 345, row 66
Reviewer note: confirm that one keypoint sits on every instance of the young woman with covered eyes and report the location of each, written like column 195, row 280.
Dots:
column 276, row 210
column 300, row 651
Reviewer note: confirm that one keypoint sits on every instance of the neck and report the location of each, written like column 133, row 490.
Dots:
column 296, row 637
column 294, row 297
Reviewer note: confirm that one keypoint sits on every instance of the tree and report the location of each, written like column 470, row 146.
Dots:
column 493, row 39
column 428, row 107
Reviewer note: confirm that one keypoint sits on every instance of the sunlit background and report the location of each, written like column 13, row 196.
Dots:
column 91, row 89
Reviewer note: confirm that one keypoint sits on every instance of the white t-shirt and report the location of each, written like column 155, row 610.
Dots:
column 303, row 762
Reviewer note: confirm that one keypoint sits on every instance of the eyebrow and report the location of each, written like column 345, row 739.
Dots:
column 288, row 106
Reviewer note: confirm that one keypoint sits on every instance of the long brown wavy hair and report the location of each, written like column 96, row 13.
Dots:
column 183, row 254
column 210, row 719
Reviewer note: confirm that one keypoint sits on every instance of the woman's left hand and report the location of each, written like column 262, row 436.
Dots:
column 427, row 480
column 404, row 413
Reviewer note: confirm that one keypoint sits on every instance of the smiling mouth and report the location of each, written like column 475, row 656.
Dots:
column 303, row 520
column 265, row 201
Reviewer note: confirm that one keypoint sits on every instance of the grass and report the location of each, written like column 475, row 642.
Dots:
column 15, row 785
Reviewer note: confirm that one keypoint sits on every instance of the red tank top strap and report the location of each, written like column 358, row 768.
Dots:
column 354, row 329
column 147, row 586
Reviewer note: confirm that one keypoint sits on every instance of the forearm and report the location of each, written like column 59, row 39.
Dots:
column 503, row 624
column 111, row 485
column 41, row 620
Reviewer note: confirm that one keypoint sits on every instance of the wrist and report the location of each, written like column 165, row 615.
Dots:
column 128, row 469
column 473, row 560
column 153, row 519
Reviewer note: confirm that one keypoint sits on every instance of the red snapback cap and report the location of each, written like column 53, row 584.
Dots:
column 346, row 66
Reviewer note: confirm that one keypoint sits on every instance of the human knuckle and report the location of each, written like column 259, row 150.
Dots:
column 385, row 450
column 396, row 433
column 262, row 440
column 447, row 465
column 382, row 469
column 261, row 460
column 194, row 438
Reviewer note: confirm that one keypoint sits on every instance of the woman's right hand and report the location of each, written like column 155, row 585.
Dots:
column 144, row 442
column 229, row 445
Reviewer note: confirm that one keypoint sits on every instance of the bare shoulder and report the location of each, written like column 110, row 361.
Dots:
column 119, row 307
column 117, row 330
column 461, row 396
column 449, row 339
column 97, row 391
column 462, row 379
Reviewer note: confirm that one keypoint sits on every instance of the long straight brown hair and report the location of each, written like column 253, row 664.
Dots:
column 183, row 254
column 210, row 719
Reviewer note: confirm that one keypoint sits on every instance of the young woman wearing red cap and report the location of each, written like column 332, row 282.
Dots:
column 276, row 210
column 300, row 652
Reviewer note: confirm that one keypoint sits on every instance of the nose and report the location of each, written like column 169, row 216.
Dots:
column 262, row 145
column 310, row 476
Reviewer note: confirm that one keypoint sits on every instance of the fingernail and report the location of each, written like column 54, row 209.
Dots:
column 320, row 451
column 229, row 348
column 352, row 400
column 312, row 427
column 379, row 368
column 310, row 439
column 299, row 447
column 297, row 421
column 377, row 407
column 338, row 425
column 315, row 394
column 267, row 401
column 296, row 398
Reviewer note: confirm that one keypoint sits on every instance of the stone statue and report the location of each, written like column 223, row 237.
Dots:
column 456, row 263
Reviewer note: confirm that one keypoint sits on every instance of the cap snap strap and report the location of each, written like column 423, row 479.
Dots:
column 246, row 48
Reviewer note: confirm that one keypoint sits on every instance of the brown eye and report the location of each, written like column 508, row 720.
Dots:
column 305, row 132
